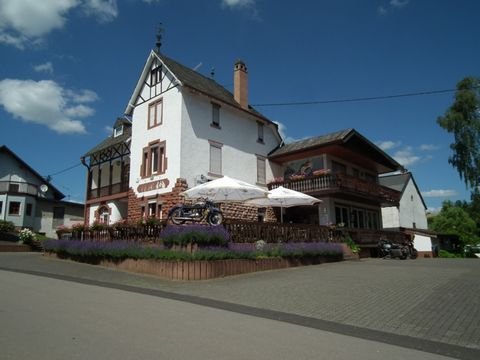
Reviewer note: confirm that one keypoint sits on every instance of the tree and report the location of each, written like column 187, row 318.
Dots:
column 454, row 220
column 462, row 119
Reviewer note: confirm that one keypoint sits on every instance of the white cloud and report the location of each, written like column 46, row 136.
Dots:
column 82, row 96
column 282, row 129
column 388, row 145
column 26, row 22
column 439, row 193
column 46, row 67
column 406, row 157
column 45, row 103
column 103, row 10
column 429, row 147
column 238, row 3
column 398, row 3
column 382, row 10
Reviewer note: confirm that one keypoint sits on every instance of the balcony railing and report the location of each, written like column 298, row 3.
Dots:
column 315, row 185
column 15, row 187
column 108, row 190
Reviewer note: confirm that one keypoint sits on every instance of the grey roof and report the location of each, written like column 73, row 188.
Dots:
column 57, row 193
column 208, row 86
column 110, row 141
column 312, row 142
column 399, row 182
column 395, row 182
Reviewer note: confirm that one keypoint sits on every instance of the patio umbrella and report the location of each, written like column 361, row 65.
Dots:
column 226, row 189
column 284, row 198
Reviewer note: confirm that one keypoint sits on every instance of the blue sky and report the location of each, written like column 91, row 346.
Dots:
column 68, row 68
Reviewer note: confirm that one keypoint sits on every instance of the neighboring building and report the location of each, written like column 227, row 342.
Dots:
column 28, row 201
column 342, row 170
column 108, row 166
column 410, row 216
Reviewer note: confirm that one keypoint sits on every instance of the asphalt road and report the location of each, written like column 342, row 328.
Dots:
column 47, row 318
column 428, row 305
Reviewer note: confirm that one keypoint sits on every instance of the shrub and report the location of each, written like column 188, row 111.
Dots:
column 202, row 235
column 27, row 236
column 448, row 255
column 96, row 226
column 125, row 249
column 6, row 226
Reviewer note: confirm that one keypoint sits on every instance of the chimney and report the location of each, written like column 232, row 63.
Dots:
column 240, row 84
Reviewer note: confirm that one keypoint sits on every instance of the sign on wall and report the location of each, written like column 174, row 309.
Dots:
column 153, row 185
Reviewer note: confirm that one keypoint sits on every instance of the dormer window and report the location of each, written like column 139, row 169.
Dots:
column 117, row 131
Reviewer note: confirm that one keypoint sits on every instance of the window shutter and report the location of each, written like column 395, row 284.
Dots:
column 261, row 171
column 215, row 159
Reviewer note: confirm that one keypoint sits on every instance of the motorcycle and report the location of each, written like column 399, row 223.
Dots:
column 389, row 250
column 205, row 210
column 412, row 252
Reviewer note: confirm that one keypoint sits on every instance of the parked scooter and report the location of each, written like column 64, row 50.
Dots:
column 205, row 210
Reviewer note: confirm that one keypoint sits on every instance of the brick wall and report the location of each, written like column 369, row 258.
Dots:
column 231, row 211
column 167, row 200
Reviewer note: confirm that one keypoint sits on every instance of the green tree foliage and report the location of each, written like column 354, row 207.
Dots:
column 454, row 220
column 462, row 119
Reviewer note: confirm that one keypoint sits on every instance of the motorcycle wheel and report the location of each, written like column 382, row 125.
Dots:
column 176, row 215
column 215, row 219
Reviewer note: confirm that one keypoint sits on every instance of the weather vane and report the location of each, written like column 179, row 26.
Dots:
column 160, row 31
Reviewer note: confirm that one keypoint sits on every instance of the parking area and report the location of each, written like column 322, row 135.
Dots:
column 431, row 300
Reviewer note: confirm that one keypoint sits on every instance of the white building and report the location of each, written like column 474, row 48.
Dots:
column 410, row 216
column 185, row 129
column 28, row 201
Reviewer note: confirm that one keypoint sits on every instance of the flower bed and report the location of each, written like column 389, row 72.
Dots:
column 204, row 263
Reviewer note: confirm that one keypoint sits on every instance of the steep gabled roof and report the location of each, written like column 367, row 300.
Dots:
column 399, row 182
column 194, row 80
column 111, row 140
column 348, row 137
column 56, row 193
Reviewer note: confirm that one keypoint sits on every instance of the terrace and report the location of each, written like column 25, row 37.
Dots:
column 328, row 184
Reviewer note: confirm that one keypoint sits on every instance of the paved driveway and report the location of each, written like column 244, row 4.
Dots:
column 427, row 304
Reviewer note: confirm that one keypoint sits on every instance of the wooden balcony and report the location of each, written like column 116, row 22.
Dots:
column 18, row 188
column 326, row 184
column 109, row 190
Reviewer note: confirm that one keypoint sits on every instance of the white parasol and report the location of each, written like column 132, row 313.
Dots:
column 226, row 189
column 284, row 198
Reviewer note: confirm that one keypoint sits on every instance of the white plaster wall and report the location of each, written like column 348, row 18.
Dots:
column 412, row 211
column 390, row 217
column 238, row 133
column 169, row 131
column 422, row 243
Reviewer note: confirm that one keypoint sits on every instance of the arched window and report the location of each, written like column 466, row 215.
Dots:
column 104, row 215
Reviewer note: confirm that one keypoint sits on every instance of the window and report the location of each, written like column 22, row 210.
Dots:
column 153, row 159
column 338, row 168
column 155, row 114
column 14, row 208
column 155, row 210
column 215, row 115
column 261, row 171
column 216, row 159
column 104, row 215
column 28, row 209
column 260, row 132
column 341, row 216
column 14, row 188
column 118, row 131
column 155, row 75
